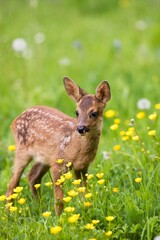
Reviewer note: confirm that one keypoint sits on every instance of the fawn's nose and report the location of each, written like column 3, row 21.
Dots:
column 82, row 129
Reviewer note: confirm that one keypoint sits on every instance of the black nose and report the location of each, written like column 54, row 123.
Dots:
column 82, row 129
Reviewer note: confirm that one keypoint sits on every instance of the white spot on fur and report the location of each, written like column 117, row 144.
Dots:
column 64, row 142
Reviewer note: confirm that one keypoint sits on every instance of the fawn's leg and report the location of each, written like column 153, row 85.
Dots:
column 81, row 175
column 58, row 193
column 20, row 162
column 35, row 175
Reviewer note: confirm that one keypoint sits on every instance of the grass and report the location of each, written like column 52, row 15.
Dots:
column 88, row 41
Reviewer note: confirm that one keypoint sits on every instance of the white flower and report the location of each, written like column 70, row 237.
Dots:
column 106, row 155
column 39, row 38
column 157, row 237
column 64, row 61
column 19, row 45
column 143, row 103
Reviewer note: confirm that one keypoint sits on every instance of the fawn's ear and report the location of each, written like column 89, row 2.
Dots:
column 103, row 93
column 75, row 92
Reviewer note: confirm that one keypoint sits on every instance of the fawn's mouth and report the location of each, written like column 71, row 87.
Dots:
column 82, row 130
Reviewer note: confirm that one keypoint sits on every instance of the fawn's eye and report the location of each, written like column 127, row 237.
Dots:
column 77, row 113
column 94, row 114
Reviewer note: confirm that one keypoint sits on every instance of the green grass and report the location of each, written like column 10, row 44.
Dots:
column 114, row 40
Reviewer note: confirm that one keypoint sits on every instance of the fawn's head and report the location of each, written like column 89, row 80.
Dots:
column 90, row 107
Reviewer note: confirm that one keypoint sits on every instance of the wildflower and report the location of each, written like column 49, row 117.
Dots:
column 14, row 195
column 88, row 195
column 37, row 185
column 87, row 204
column 68, row 175
column 8, row 204
column 95, row 221
column 46, row 214
column 11, row 148
column 18, row 189
column 92, row 239
column 122, row 133
column 138, row 180
column 135, row 138
column 72, row 193
column 114, row 127
column 68, row 164
column 108, row 234
column 69, row 209
column 129, row 133
column 140, row 115
column 157, row 106
column 77, row 181
column 55, row 230
column 74, row 218
column 59, row 161
column 9, row 198
column 152, row 116
column 13, row 209
column 106, row 155
column 67, row 199
column 101, row 181
column 21, row 201
column 125, row 138
column 152, row 133
column 81, row 189
column 89, row 226
column 115, row 190
column 110, row 218
column 89, row 176
column 99, row 175
column 116, row 147
column 60, row 181
column 117, row 120
column 19, row 45
column 143, row 104
column 2, row 198
column 110, row 113
column 48, row 184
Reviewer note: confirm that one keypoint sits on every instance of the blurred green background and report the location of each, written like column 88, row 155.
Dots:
column 87, row 40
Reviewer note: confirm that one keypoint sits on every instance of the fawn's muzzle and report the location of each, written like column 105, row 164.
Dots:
column 82, row 129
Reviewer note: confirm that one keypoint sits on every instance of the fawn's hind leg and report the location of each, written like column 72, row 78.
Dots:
column 21, row 160
column 35, row 175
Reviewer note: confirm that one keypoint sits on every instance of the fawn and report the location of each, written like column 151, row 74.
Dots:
column 45, row 134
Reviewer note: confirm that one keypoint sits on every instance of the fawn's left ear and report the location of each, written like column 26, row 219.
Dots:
column 103, row 93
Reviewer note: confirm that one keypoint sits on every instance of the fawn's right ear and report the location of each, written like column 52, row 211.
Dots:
column 75, row 92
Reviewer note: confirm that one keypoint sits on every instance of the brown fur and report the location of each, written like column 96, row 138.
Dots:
column 46, row 134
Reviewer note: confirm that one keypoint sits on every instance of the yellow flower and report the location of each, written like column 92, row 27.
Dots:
column 14, row 195
column 13, row 209
column 92, row 239
column 21, row 200
column 18, row 189
column 114, row 126
column 95, row 221
column 68, row 164
column 59, row 161
column 9, row 204
column 116, row 147
column 67, row 199
column 69, row 209
column 140, row 115
column 108, row 234
column 2, row 198
column 37, row 185
column 81, row 189
column 101, row 181
column 152, row 116
column 72, row 193
column 55, row 230
column 87, row 204
column 68, row 175
column 157, row 106
column 122, row 133
column 110, row 218
column 89, row 226
column 115, row 190
column 152, row 133
column 60, row 181
column 138, row 180
column 89, row 176
column 99, row 175
column 46, row 214
column 110, row 113
column 11, row 148
column 135, row 138
column 125, row 138
column 74, row 218
column 48, row 184
column 77, row 182
column 117, row 120
column 88, row 195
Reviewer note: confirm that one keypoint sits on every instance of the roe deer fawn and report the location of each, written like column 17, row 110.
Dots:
column 46, row 134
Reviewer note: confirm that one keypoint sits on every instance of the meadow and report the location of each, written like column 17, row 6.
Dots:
column 88, row 41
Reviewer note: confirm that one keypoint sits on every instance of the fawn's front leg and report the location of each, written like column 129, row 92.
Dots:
column 82, row 174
